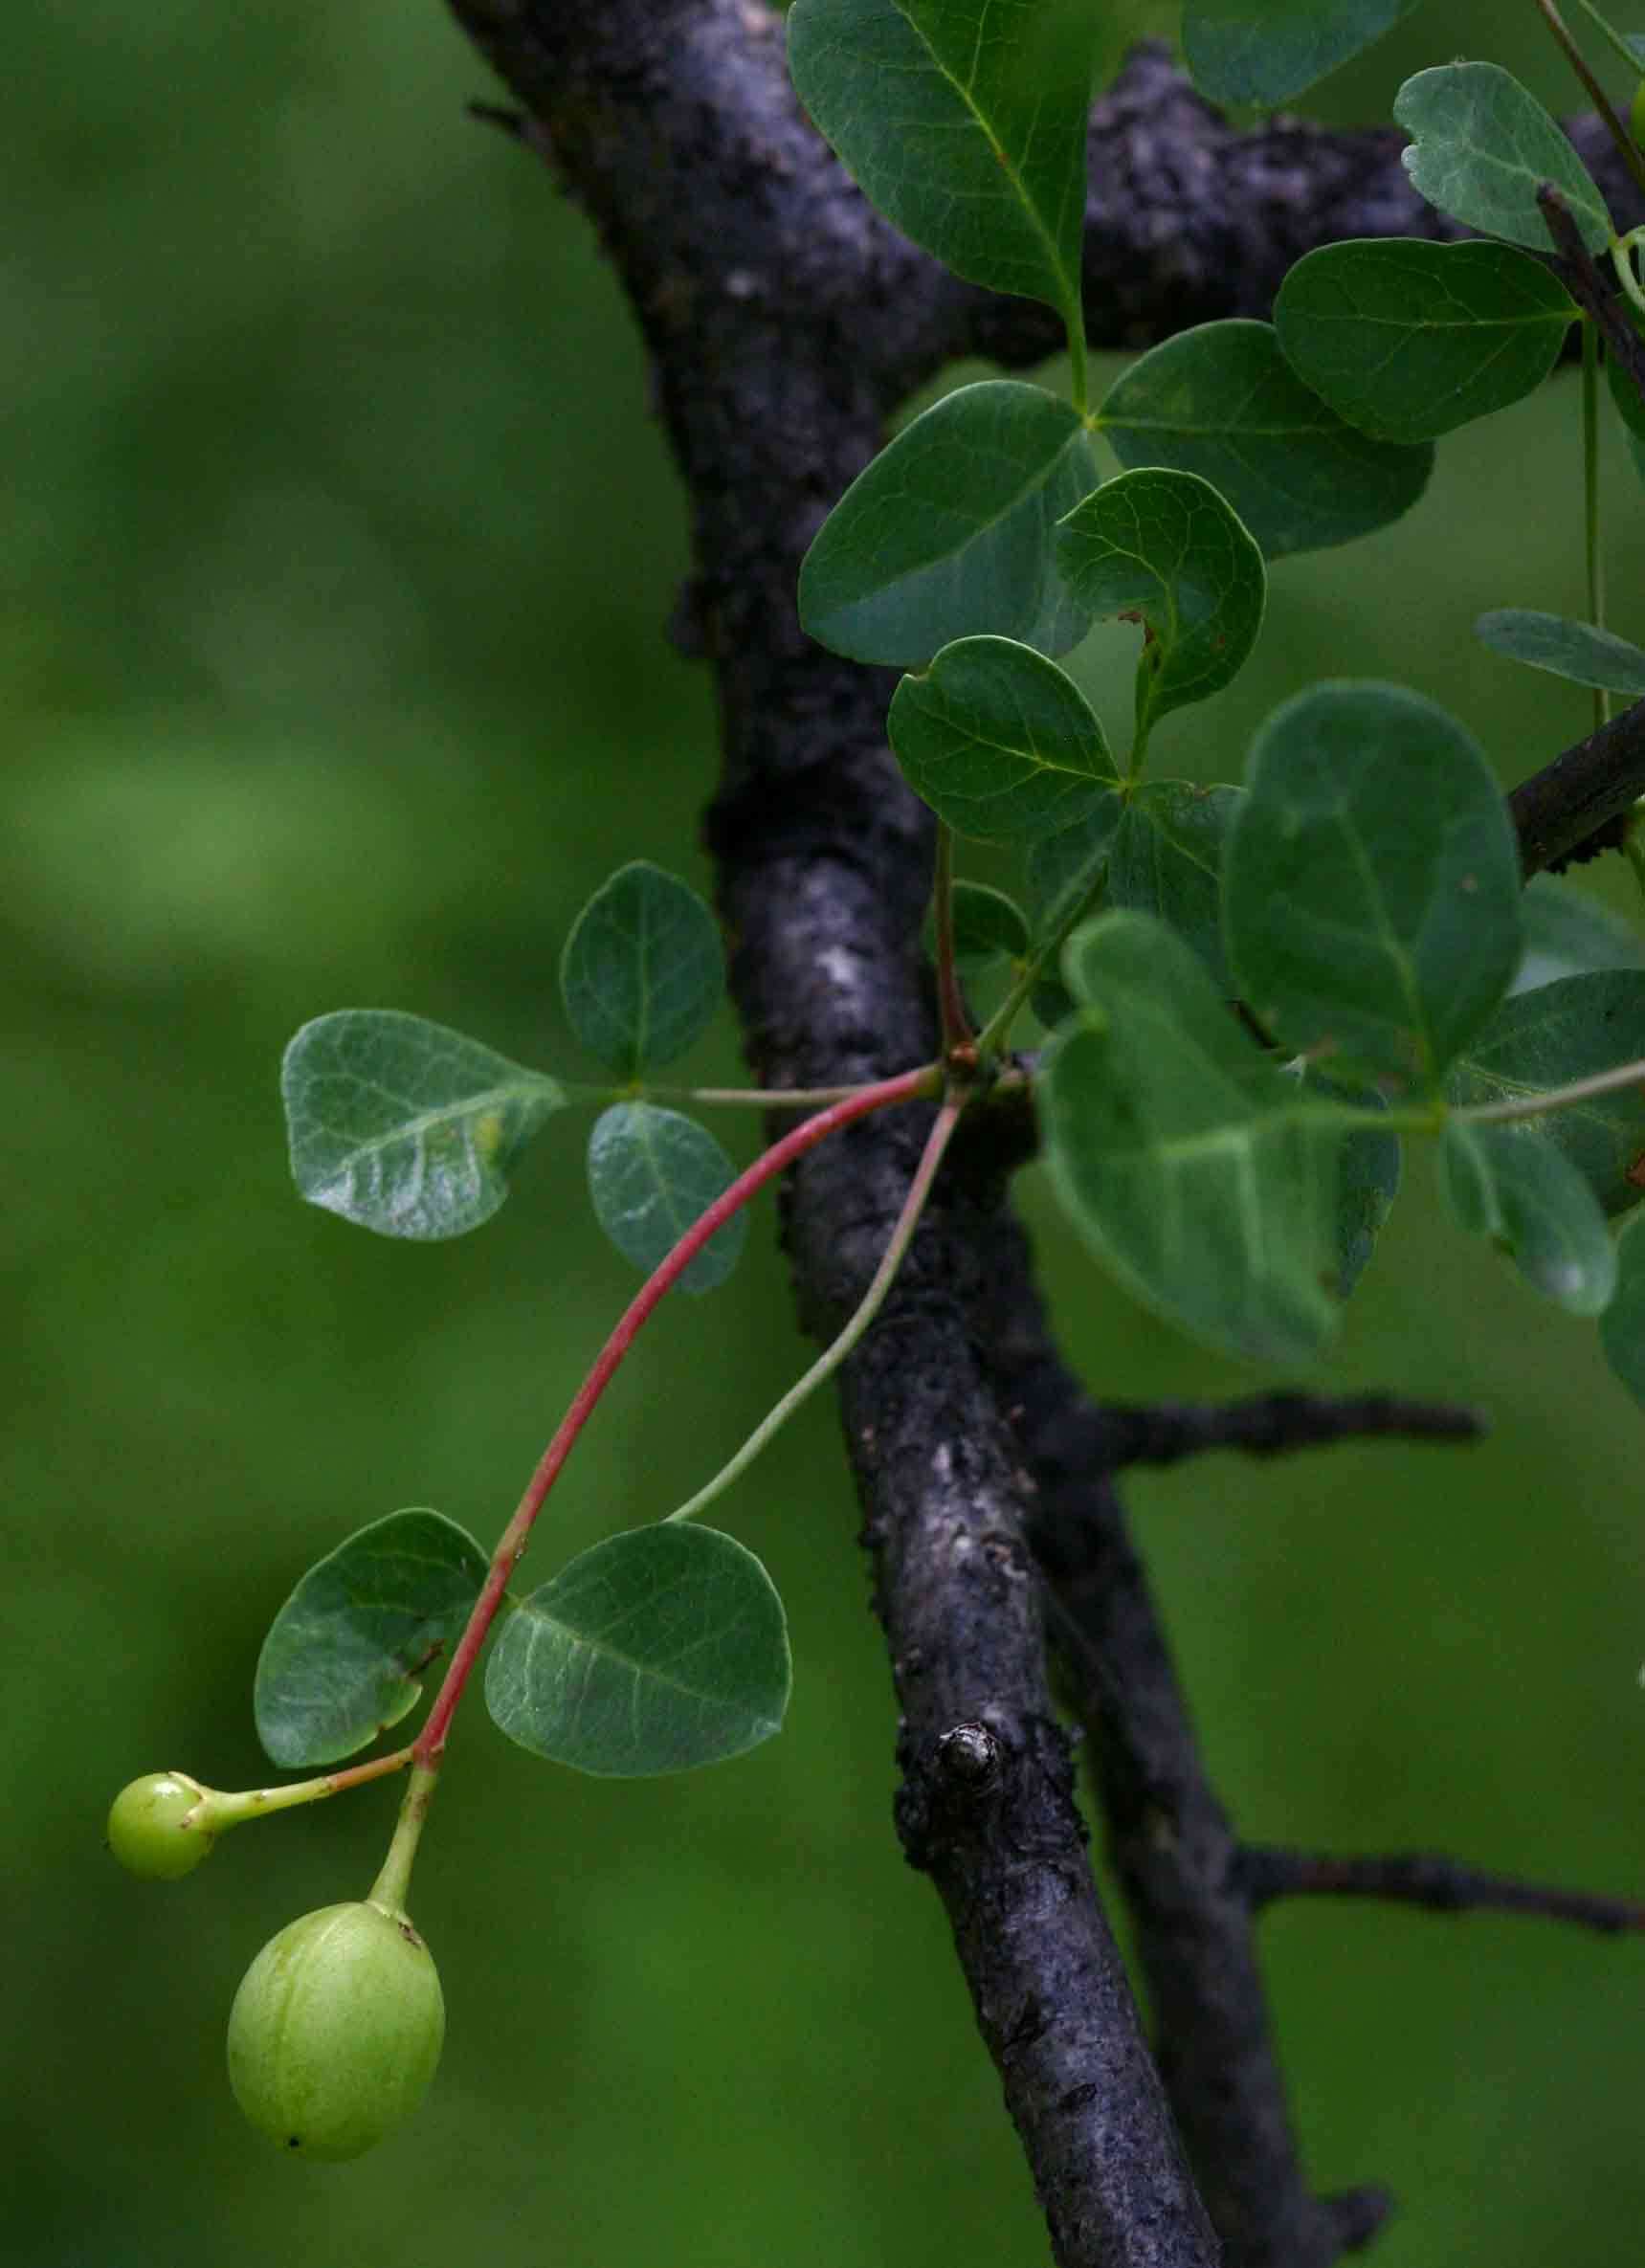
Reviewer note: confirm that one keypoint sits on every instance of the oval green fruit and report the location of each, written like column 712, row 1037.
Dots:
column 157, row 1826
column 336, row 2031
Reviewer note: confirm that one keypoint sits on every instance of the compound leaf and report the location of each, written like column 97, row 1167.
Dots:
column 656, row 1650
column 1481, row 146
column 948, row 532
column 1204, row 1176
column 1408, row 340
column 1511, row 1185
column 1579, row 650
column 1266, row 51
column 345, row 1655
column 1371, row 884
column 651, row 1173
column 643, row 969
column 1222, row 401
column 1000, row 741
column 963, row 122
column 404, row 1126
column 1163, row 545
column 1551, row 1037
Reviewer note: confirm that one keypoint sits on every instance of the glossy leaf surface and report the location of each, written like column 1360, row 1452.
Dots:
column 1371, row 884
column 1266, row 51
column 1203, row 1176
column 1579, row 650
column 404, row 1126
column 1510, row 1184
column 1481, row 146
column 947, row 534
column 656, row 1650
column 643, row 969
column 1222, row 401
column 1553, row 1037
column 651, row 1173
column 1408, row 340
column 1000, row 741
column 1163, row 545
column 963, row 122
column 344, row 1656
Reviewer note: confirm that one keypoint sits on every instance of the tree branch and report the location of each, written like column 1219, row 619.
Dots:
column 784, row 321
column 1444, row 1885
column 1268, row 1425
column 1171, row 1841
column 1562, row 812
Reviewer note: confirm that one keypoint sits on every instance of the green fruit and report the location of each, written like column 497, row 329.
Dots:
column 157, row 1826
column 335, row 2030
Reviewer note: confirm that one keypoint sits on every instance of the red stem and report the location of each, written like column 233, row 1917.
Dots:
column 906, row 1088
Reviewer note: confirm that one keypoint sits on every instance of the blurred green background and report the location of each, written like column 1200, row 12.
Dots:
column 338, row 549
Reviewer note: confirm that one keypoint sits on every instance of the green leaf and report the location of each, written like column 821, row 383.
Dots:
column 988, row 926
column 1575, row 650
column 1166, row 860
column 656, row 1650
column 1266, row 51
column 1222, row 401
column 344, row 1656
column 1510, row 1184
column 643, row 969
column 404, row 1126
column 1000, row 741
column 1064, row 868
column 1481, row 148
column 651, row 1173
column 963, row 122
column 1371, row 884
column 1567, row 933
column 1551, row 1037
column 1408, row 340
column 948, row 532
column 1622, row 1326
column 1199, row 1173
column 1164, row 544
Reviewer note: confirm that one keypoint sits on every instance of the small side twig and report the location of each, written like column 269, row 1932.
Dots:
column 1584, row 280
column 1444, row 1885
column 1268, row 1425
column 1559, row 811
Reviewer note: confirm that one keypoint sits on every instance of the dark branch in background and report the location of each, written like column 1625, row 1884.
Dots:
column 1172, row 1843
column 1266, row 1425
column 1266, row 1873
column 1578, row 805
column 1585, row 282
column 786, row 322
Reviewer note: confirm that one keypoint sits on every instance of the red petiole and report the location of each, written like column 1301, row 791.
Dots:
column 907, row 1087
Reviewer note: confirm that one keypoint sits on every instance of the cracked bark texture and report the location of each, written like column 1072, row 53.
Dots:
column 785, row 323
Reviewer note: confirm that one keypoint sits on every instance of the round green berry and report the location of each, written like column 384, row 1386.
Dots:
column 336, row 2031
column 157, row 1827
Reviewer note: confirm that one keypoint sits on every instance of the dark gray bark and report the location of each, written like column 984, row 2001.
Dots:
column 784, row 321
